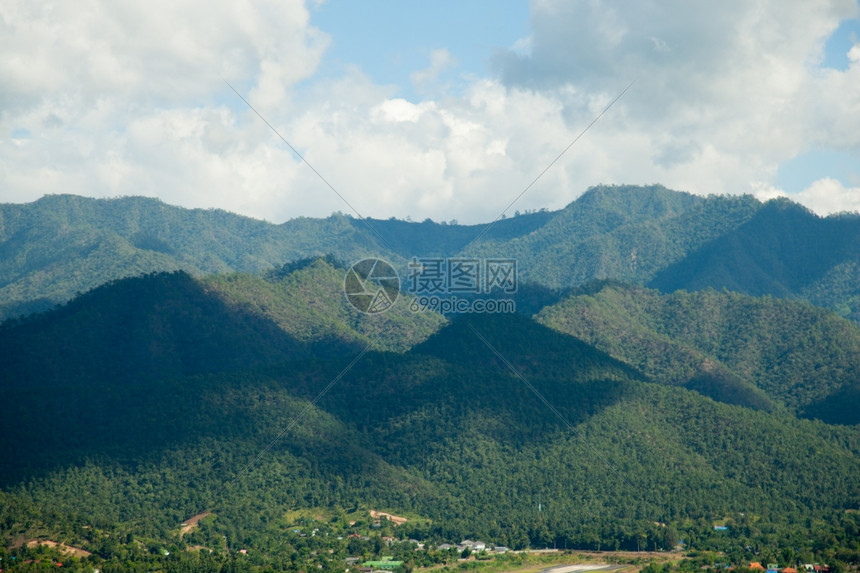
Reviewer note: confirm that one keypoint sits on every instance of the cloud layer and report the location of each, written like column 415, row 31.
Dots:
column 101, row 99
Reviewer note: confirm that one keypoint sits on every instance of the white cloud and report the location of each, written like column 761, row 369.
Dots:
column 522, row 46
column 824, row 196
column 121, row 99
column 398, row 110
column 124, row 98
column 157, row 52
column 830, row 196
column 440, row 61
column 723, row 93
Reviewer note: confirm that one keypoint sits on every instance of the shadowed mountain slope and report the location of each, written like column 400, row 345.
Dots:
column 784, row 250
column 735, row 348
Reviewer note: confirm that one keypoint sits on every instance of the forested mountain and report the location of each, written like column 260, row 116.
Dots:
column 446, row 433
column 757, row 352
column 622, row 232
column 258, row 394
column 305, row 299
column 60, row 245
column 432, row 239
column 63, row 244
column 785, row 250
column 168, row 325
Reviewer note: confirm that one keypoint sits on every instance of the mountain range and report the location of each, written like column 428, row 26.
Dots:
column 676, row 363
column 62, row 245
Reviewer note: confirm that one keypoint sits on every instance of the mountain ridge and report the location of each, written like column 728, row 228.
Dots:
column 785, row 250
column 758, row 352
column 61, row 245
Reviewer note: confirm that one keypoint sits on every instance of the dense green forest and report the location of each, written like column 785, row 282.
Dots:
column 759, row 352
column 785, row 250
column 154, row 399
column 62, row 245
column 676, row 363
column 305, row 299
column 621, row 232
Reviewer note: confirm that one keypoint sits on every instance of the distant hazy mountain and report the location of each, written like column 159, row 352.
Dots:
column 624, row 233
column 63, row 244
column 60, row 245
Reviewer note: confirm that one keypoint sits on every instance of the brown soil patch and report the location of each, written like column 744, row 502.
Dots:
column 189, row 524
column 75, row 551
column 395, row 519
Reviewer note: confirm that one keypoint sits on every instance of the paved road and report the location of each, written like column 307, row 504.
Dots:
column 578, row 568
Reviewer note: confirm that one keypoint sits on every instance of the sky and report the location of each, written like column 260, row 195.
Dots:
column 446, row 110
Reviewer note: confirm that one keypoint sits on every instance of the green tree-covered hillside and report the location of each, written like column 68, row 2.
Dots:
column 785, row 251
column 735, row 348
column 446, row 432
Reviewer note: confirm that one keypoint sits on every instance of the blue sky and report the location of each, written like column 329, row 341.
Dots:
column 839, row 42
column 390, row 40
column 798, row 173
column 442, row 109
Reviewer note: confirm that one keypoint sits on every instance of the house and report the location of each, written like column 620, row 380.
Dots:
column 479, row 546
column 756, row 566
column 444, row 547
column 789, row 570
column 500, row 549
column 466, row 544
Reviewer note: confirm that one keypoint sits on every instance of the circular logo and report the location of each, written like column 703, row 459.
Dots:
column 371, row 286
